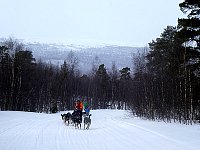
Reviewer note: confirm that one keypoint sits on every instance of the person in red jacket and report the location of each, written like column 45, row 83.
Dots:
column 79, row 107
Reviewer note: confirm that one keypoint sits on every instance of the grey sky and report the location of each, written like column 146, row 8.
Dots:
column 119, row 22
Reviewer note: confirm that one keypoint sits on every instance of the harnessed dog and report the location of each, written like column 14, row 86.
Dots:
column 67, row 117
column 87, row 121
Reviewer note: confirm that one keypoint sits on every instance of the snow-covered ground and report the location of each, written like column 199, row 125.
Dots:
column 110, row 130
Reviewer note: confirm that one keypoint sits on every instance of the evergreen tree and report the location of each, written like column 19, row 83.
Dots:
column 24, row 80
column 103, row 84
column 189, row 32
column 125, row 73
column 124, row 87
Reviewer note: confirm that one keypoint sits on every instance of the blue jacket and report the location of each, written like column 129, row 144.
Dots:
column 87, row 110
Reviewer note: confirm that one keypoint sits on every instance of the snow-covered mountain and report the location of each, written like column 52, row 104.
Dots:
column 107, row 54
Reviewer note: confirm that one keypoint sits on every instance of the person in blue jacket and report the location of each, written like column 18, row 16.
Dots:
column 86, row 108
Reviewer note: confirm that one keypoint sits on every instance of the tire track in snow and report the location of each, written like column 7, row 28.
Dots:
column 41, row 127
column 10, row 127
column 49, row 135
column 177, row 144
column 109, row 132
column 17, row 137
column 28, row 128
column 119, row 134
column 125, row 133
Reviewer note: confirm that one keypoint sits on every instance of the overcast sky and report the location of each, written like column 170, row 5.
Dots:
column 118, row 22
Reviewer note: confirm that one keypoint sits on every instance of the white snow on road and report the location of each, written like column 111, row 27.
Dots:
column 110, row 130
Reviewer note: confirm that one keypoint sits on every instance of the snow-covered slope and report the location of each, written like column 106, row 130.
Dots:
column 107, row 54
column 110, row 130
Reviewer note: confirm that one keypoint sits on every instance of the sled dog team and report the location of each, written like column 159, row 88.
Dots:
column 75, row 118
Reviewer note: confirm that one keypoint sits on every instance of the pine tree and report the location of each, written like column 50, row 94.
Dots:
column 125, row 73
column 103, row 84
column 124, row 87
column 189, row 31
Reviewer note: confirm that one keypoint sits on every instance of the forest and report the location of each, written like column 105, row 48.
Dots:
column 165, row 84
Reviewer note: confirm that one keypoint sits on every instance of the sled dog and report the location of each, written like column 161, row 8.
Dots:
column 77, row 119
column 67, row 118
column 87, row 121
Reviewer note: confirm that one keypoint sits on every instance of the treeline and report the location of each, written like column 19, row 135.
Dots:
column 30, row 85
column 165, row 84
column 167, row 78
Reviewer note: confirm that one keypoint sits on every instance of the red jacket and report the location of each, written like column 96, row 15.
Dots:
column 79, row 106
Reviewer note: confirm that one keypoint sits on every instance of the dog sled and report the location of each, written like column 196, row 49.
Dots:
column 76, row 119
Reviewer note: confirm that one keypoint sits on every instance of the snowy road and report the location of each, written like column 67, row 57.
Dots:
column 110, row 130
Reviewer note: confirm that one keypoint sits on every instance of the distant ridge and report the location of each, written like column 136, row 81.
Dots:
column 107, row 54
